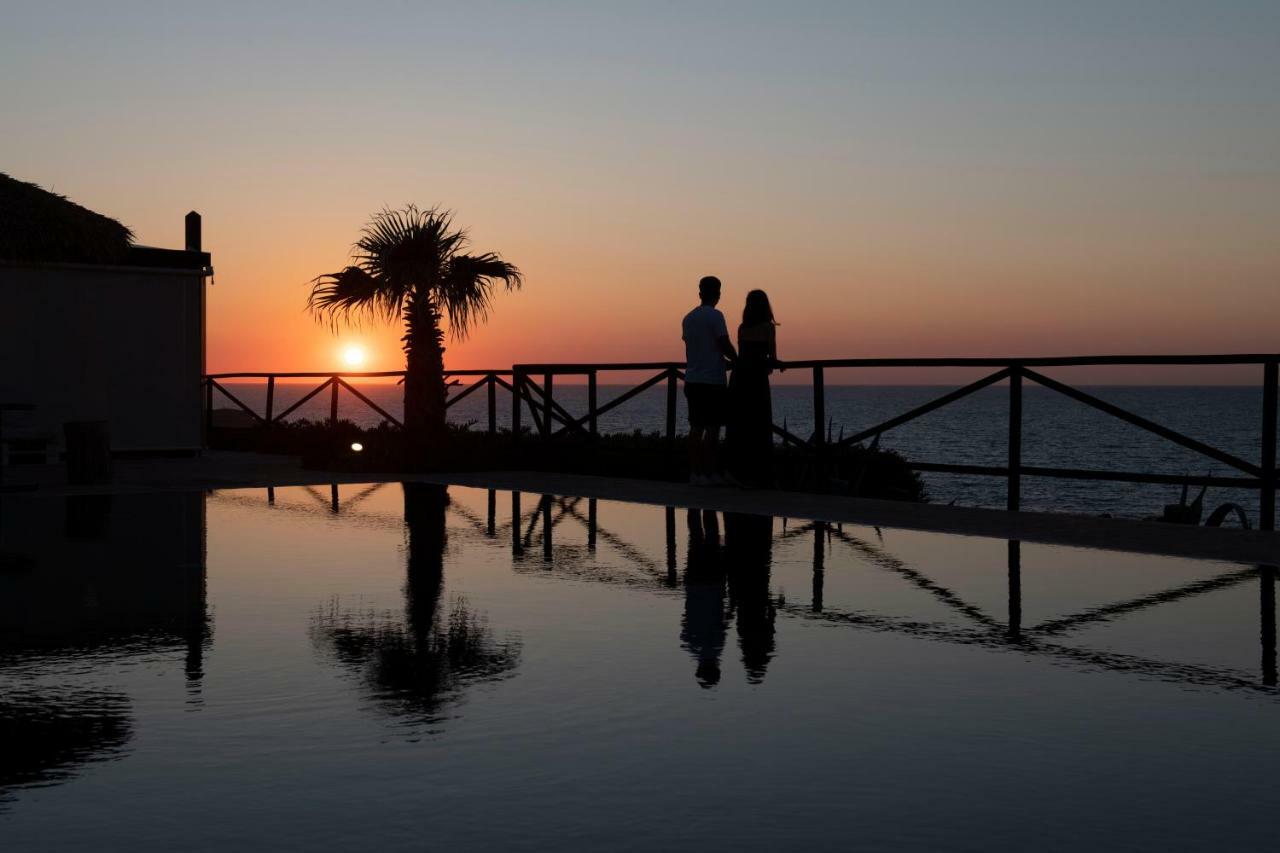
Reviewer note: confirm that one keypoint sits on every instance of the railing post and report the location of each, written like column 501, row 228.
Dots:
column 592, row 402
column 493, row 405
column 548, row 380
column 517, row 382
column 547, row 546
column 671, row 410
column 670, row 517
column 1267, row 516
column 271, row 397
column 1014, row 492
column 591, row 523
column 819, row 564
column 517, row 550
column 333, row 402
column 208, row 408
column 1267, row 596
column 819, row 430
column 1015, row 588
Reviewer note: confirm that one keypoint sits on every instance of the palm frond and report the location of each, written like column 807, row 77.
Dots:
column 353, row 294
column 410, row 247
column 466, row 289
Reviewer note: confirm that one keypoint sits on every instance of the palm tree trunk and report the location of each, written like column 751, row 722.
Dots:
column 424, row 389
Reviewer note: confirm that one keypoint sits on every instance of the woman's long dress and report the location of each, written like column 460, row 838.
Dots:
column 749, row 438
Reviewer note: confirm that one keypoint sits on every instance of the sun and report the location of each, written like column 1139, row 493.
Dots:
column 353, row 355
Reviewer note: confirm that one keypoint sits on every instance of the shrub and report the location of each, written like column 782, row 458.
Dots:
column 385, row 449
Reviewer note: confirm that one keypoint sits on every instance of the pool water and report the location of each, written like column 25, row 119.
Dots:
column 414, row 667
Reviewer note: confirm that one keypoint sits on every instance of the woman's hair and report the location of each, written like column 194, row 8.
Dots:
column 757, row 309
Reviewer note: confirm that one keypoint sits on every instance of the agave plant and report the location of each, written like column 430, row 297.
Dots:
column 411, row 265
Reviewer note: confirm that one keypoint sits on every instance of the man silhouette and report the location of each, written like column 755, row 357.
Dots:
column 708, row 351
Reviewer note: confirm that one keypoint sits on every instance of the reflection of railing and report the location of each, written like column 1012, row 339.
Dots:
column 987, row 630
column 984, row 629
column 490, row 380
column 551, row 420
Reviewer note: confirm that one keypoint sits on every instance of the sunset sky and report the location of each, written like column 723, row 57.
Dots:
column 905, row 179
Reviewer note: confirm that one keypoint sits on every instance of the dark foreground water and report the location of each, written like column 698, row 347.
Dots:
column 403, row 668
column 1057, row 432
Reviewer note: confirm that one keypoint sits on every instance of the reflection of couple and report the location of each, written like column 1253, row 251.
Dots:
column 740, row 568
column 741, row 404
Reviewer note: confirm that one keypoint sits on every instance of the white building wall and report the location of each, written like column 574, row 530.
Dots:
column 120, row 344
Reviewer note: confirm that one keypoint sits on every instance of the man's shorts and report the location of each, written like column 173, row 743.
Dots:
column 708, row 404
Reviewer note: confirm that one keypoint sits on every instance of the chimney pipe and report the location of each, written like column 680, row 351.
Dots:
column 193, row 232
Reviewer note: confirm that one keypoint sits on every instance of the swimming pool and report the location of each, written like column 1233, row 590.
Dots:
column 421, row 667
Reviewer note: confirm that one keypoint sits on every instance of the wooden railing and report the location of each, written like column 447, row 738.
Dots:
column 547, row 413
column 551, row 420
column 1261, row 476
column 490, row 380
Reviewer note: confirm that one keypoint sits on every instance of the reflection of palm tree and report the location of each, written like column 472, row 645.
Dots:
column 44, row 740
column 749, row 552
column 409, row 265
column 705, row 624
column 418, row 664
column 425, row 505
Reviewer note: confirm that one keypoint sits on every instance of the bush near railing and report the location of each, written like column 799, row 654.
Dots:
column 386, row 449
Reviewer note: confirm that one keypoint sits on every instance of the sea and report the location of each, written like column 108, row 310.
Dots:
column 1057, row 432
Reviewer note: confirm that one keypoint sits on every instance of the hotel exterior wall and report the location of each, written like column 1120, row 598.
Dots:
column 120, row 344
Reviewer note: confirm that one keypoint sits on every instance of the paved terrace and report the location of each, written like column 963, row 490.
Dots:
column 226, row 470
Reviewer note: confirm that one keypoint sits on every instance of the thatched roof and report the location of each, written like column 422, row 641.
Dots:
column 37, row 225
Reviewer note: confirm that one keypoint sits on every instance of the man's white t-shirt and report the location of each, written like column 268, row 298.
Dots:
column 703, row 328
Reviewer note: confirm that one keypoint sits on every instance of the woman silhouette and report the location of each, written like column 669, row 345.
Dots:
column 749, row 438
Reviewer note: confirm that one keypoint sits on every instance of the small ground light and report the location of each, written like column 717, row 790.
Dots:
column 357, row 446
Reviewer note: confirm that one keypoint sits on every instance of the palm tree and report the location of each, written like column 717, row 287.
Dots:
column 410, row 265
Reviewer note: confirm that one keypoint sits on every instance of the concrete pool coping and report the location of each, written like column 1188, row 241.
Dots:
column 1117, row 534
column 229, row 470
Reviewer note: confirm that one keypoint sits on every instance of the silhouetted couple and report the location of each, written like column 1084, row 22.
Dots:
column 742, row 404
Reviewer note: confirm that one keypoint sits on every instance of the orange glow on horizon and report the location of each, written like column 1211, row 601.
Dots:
column 892, row 289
